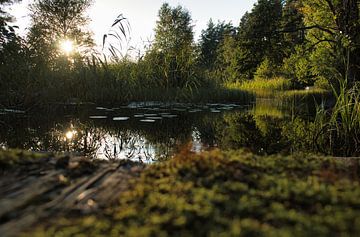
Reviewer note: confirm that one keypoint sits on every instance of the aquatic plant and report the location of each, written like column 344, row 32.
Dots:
column 339, row 132
column 274, row 84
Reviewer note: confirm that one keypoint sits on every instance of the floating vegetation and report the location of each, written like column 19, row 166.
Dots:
column 195, row 111
column 147, row 120
column 104, row 109
column 178, row 109
column 121, row 118
column 154, row 118
column 170, row 116
column 98, row 117
column 226, row 108
column 139, row 115
column 11, row 111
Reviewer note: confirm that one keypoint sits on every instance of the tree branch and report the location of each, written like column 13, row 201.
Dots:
column 327, row 30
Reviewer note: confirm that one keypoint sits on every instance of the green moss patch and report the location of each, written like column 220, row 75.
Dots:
column 230, row 194
column 14, row 158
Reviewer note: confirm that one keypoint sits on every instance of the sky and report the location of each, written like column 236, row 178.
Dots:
column 142, row 15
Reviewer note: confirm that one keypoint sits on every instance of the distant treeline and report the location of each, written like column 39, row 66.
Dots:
column 307, row 42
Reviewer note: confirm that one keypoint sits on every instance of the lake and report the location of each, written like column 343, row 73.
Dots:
column 151, row 131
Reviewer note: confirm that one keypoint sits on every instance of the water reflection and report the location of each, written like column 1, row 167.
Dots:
column 265, row 127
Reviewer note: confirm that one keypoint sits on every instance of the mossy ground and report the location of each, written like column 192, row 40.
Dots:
column 14, row 158
column 230, row 194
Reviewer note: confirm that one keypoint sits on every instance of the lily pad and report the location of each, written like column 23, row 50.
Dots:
column 98, row 117
column 226, row 108
column 180, row 110
column 105, row 109
column 14, row 111
column 154, row 118
column 195, row 110
column 169, row 116
column 121, row 118
column 147, row 121
column 139, row 115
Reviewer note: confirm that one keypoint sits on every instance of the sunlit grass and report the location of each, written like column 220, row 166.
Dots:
column 277, row 87
column 311, row 91
column 278, row 83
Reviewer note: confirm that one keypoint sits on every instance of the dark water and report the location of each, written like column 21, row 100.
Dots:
column 150, row 132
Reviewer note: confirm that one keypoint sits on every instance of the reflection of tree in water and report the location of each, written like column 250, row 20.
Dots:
column 262, row 134
column 125, row 145
column 142, row 142
column 239, row 131
column 53, row 132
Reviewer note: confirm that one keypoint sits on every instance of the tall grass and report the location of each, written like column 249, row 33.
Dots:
column 274, row 84
column 339, row 128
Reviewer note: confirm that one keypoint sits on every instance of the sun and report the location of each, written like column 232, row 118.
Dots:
column 67, row 46
column 69, row 135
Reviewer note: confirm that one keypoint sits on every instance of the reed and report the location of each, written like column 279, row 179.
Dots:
column 339, row 127
column 274, row 84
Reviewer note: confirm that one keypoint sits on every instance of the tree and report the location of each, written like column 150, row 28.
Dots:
column 210, row 40
column 228, row 61
column 173, row 48
column 13, row 60
column 257, row 39
column 258, row 35
column 333, row 32
column 54, row 21
column 292, row 20
column 7, row 32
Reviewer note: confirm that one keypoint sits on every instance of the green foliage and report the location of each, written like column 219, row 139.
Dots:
column 258, row 36
column 173, row 52
column 53, row 21
column 333, row 35
column 297, row 67
column 322, row 83
column 227, row 63
column 230, row 194
column 210, row 40
column 267, row 70
column 339, row 129
column 291, row 25
column 7, row 32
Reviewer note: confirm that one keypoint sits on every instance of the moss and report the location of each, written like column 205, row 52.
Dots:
column 230, row 194
column 13, row 158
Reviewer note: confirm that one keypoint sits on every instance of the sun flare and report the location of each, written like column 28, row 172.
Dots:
column 67, row 46
column 69, row 135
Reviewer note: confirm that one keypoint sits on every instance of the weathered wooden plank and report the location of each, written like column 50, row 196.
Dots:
column 28, row 194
